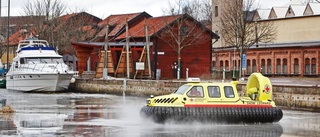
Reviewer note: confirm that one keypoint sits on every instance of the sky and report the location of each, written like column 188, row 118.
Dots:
column 104, row 8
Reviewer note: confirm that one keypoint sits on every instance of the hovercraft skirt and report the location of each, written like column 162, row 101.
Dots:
column 212, row 115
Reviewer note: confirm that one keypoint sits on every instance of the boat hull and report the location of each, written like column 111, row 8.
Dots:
column 38, row 82
column 212, row 114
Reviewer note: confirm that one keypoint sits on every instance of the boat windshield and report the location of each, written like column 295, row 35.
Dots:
column 44, row 60
column 181, row 90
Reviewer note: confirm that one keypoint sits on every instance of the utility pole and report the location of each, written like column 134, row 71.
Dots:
column 8, row 36
column 148, row 50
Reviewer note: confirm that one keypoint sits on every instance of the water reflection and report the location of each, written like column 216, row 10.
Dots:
column 7, row 126
column 299, row 123
column 35, row 124
column 198, row 130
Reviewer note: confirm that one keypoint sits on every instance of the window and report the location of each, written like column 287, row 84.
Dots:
column 228, row 92
column 248, row 67
column 254, row 65
column 214, row 65
column 313, row 65
column 214, row 91
column 278, row 68
column 227, row 65
column 263, row 66
column 195, row 91
column 269, row 67
column 21, row 60
column 181, row 90
column 284, row 66
column 221, row 65
column 216, row 13
column 307, row 66
column 46, row 60
column 296, row 66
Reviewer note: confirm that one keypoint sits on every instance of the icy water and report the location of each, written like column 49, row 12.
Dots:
column 101, row 115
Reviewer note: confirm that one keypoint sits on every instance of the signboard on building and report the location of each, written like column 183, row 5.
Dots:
column 243, row 62
column 139, row 65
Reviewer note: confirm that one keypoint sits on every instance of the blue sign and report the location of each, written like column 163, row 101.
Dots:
column 243, row 62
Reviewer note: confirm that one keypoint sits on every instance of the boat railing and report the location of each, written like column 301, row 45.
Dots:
column 35, row 64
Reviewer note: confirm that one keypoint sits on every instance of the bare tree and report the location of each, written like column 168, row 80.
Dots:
column 200, row 10
column 240, row 30
column 71, row 27
column 60, row 30
column 48, row 8
column 182, row 33
column 308, row 1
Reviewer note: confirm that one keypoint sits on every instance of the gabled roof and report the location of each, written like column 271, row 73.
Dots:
column 63, row 20
column 157, row 24
column 118, row 22
column 312, row 9
column 278, row 12
column 295, row 10
column 261, row 14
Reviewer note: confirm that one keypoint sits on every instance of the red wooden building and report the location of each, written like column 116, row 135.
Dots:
column 164, row 32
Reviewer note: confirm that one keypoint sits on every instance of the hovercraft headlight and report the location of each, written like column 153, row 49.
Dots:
column 148, row 101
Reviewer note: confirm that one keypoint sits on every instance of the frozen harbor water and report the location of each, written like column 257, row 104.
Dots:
column 86, row 115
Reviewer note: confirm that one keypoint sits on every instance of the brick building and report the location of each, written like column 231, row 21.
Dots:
column 294, row 52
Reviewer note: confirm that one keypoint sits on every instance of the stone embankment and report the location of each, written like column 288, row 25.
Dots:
column 286, row 94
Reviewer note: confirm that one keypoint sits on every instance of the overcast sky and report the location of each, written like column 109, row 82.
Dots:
column 104, row 8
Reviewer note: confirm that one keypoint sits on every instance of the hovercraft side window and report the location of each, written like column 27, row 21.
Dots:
column 228, row 92
column 195, row 91
column 214, row 91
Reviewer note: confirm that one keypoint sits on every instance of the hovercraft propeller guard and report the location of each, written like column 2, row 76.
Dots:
column 216, row 103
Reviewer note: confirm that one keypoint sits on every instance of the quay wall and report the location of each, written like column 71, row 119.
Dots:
column 286, row 96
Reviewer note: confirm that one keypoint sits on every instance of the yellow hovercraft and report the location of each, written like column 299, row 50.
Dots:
column 216, row 102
